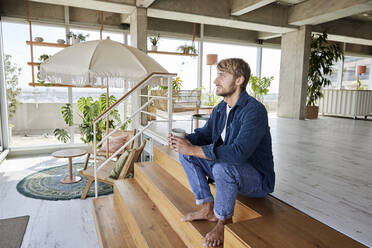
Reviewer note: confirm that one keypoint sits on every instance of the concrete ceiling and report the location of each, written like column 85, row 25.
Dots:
column 270, row 18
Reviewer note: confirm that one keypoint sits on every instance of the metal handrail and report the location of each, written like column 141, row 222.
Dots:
column 140, row 110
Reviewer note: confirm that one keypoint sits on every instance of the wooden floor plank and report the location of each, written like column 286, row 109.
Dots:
column 147, row 225
column 111, row 230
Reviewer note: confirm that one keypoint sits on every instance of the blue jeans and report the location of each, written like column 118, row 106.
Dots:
column 229, row 180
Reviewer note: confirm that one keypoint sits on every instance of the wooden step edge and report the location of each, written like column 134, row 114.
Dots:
column 233, row 240
column 192, row 233
column 111, row 230
column 147, row 225
column 166, row 159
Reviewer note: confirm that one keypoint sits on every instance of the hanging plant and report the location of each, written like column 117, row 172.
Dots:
column 186, row 49
column 42, row 58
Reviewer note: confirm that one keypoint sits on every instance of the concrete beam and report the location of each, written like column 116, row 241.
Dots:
column 240, row 7
column 314, row 12
column 349, row 31
column 120, row 8
column 218, row 12
column 144, row 3
column 208, row 20
column 267, row 35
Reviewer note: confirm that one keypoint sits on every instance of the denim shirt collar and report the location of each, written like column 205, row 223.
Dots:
column 242, row 101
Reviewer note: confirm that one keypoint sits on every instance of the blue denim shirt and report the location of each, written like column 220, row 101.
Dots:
column 247, row 139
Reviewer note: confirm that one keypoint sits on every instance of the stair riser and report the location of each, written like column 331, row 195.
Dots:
column 190, row 236
column 129, row 221
column 174, row 168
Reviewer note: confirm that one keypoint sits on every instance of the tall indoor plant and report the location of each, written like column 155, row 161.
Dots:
column 322, row 56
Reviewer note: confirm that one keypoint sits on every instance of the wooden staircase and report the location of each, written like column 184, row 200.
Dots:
column 145, row 212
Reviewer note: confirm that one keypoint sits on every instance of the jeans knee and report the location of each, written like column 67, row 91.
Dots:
column 221, row 170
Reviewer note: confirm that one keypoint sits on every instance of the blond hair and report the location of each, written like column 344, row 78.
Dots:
column 237, row 67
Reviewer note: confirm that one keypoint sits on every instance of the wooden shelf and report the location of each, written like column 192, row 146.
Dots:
column 47, row 44
column 33, row 64
column 34, row 84
column 172, row 53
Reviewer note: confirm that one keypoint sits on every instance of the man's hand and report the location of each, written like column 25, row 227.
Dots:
column 185, row 147
column 180, row 145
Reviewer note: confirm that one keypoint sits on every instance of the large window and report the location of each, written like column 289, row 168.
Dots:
column 271, row 68
column 349, row 78
column 38, row 109
column 185, row 66
column 33, row 119
column 249, row 54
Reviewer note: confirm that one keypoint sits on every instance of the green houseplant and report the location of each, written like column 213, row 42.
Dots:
column 259, row 86
column 186, row 49
column 42, row 58
column 154, row 42
column 88, row 111
column 12, row 72
column 322, row 56
column 162, row 90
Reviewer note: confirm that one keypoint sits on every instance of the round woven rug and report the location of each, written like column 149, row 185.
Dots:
column 46, row 184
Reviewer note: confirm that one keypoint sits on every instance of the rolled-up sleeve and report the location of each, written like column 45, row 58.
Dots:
column 254, row 125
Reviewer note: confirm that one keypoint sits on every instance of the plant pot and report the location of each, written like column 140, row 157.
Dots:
column 151, row 109
column 154, row 48
column 75, row 40
column 312, row 112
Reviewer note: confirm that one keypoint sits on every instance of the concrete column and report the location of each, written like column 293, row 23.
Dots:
column 259, row 62
column 201, row 55
column 340, row 73
column 4, row 134
column 294, row 68
column 138, row 29
column 138, row 37
column 370, row 75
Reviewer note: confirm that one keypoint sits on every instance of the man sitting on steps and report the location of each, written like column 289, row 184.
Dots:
column 233, row 149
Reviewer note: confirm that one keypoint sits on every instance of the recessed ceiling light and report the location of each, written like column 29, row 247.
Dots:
column 365, row 14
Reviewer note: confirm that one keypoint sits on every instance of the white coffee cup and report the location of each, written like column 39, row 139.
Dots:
column 179, row 132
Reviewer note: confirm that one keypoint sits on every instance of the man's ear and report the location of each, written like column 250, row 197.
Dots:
column 239, row 80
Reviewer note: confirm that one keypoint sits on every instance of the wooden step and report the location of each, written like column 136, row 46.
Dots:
column 147, row 225
column 173, row 201
column 168, row 160
column 111, row 230
column 288, row 229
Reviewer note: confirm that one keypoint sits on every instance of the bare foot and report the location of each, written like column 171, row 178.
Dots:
column 215, row 237
column 205, row 213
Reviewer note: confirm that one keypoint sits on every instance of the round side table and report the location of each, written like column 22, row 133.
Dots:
column 69, row 153
column 198, row 117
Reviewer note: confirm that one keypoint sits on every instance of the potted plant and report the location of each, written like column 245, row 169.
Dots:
column 322, row 56
column 42, row 58
column 259, row 86
column 154, row 42
column 186, row 49
column 89, row 110
column 76, row 38
column 162, row 90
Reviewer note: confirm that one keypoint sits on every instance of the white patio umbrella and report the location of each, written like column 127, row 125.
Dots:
column 98, row 63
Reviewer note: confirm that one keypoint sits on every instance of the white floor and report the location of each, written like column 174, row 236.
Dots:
column 323, row 168
column 61, row 224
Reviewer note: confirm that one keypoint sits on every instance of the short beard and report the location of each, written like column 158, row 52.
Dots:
column 229, row 93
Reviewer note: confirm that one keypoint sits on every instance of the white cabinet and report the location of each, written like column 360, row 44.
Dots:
column 346, row 102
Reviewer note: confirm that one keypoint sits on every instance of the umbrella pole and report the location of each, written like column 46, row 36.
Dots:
column 107, row 120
